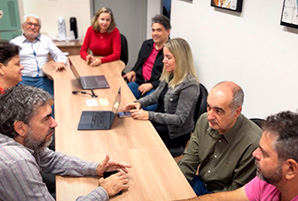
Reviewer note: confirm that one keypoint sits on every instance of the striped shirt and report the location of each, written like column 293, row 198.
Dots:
column 20, row 169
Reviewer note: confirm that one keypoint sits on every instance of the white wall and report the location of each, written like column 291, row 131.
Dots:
column 250, row 48
column 50, row 10
column 153, row 8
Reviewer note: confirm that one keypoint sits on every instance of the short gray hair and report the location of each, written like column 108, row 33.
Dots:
column 32, row 15
column 238, row 97
column 20, row 103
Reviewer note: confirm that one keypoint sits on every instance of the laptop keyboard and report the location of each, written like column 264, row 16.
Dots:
column 90, row 81
column 101, row 119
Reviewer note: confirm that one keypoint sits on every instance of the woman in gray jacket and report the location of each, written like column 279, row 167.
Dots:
column 176, row 96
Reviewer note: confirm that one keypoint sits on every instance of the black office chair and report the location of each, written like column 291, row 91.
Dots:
column 201, row 107
column 124, row 49
column 258, row 121
column 201, row 103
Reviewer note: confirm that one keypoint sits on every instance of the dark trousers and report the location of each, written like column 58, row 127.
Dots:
column 163, row 132
column 198, row 186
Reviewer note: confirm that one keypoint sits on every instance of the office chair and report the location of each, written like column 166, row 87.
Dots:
column 124, row 49
column 201, row 107
column 258, row 121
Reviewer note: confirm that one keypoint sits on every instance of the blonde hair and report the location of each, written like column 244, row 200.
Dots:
column 184, row 62
column 94, row 22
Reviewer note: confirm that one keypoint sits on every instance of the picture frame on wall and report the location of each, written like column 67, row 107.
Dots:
column 289, row 15
column 233, row 5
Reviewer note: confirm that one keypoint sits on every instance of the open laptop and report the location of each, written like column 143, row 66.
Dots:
column 90, row 82
column 100, row 120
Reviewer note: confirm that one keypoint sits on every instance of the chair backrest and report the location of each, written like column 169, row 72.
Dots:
column 124, row 49
column 258, row 121
column 201, row 106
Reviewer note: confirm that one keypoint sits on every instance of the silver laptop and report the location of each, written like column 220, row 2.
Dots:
column 90, row 82
column 100, row 120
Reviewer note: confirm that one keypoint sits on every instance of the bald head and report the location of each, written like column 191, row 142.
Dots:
column 233, row 90
column 224, row 105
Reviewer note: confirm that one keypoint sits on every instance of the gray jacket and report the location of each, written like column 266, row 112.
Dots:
column 179, row 104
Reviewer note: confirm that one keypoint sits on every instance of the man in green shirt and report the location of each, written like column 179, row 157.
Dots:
column 222, row 144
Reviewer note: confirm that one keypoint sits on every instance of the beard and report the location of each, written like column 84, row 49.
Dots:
column 34, row 144
column 271, row 179
column 32, row 35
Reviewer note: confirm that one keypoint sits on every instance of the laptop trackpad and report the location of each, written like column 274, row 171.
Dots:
column 87, row 118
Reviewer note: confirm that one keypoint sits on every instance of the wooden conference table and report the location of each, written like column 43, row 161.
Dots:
column 154, row 174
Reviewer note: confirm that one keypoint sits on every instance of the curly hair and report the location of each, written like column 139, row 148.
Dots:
column 20, row 103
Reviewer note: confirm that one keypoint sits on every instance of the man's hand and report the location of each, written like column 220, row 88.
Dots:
column 110, row 165
column 60, row 66
column 114, row 183
column 130, row 76
column 143, row 88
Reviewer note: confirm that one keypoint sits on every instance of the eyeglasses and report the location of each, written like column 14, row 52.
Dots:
column 32, row 24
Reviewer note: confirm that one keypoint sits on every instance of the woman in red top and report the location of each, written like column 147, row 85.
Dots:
column 102, row 38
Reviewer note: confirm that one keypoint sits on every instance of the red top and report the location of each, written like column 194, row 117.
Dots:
column 102, row 44
column 1, row 90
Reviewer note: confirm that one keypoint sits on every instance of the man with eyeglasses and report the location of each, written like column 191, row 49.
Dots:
column 35, row 48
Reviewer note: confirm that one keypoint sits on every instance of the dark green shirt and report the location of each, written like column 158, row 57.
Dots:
column 226, row 161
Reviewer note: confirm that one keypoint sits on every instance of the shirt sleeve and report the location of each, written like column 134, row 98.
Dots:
column 21, row 180
column 190, row 161
column 56, row 53
column 186, row 98
column 116, row 44
column 98, row 194
column 251, row 189
column 85, row 45
column 60, row 164
column 245, row 171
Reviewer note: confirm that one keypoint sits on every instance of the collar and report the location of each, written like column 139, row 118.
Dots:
column 24, row 39
column 5, row 140
column 231, row 134
column 154, row 46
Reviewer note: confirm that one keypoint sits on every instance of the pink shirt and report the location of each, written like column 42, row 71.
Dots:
column 148, row 64
column 258, row 189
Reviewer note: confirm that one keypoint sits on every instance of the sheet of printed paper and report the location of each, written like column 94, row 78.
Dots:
column 290, row 13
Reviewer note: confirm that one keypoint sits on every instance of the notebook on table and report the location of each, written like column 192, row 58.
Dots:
column 90, row 82
column 100, row 120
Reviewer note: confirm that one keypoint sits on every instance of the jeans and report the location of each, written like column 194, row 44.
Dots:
column 39, row 82
column 134, row 89
column 198, row 186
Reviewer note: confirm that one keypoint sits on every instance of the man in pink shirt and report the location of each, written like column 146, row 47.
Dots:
column 276, row 161
column 144, row 76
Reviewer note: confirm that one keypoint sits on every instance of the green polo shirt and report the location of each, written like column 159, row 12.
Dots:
column 226, row 161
